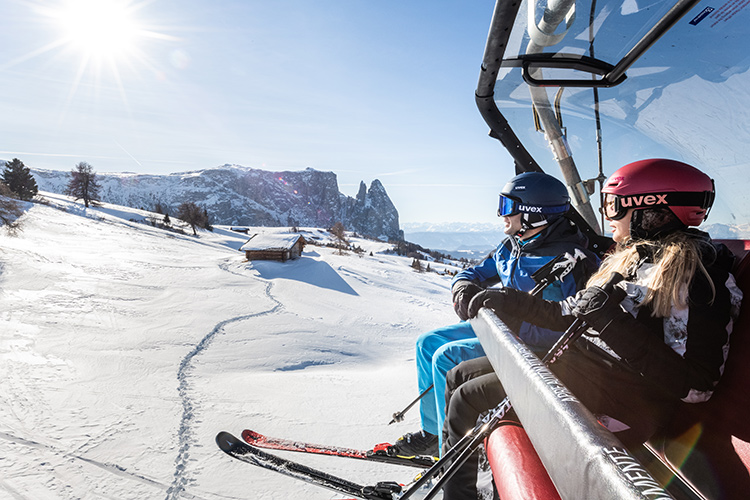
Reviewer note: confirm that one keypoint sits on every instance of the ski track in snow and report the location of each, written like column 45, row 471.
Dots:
column 11, row 491
column 181, row 475
column 109, row 467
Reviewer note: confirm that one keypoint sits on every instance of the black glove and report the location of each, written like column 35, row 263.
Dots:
column 463, row 291
column 514, row 306
column 597, row 307
column 505, row 301
column 499, row 300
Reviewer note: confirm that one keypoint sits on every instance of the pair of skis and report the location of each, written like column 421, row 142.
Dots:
column 248, row 449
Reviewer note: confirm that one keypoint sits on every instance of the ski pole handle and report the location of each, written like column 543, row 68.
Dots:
column 613, row 280
column 578, row 327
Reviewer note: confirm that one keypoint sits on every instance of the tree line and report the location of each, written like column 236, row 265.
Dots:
column 19, row 184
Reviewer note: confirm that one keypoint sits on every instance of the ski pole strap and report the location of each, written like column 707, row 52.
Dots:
column 547, row 274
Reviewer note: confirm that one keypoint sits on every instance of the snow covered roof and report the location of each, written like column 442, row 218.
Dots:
column 270, row 242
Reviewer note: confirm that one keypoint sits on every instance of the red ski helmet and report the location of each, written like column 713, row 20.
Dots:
column 658, row 183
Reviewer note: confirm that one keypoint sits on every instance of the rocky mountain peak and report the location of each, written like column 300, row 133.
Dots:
column 242, row 196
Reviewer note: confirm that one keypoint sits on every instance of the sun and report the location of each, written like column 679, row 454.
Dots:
column 100, row 46
column 100, row 28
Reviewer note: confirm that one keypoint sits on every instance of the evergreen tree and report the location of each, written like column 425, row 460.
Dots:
column 19, row 180
column 83, row 184
column 207, row 220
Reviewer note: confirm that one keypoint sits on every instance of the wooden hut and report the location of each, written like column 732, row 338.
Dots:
column 273, row 247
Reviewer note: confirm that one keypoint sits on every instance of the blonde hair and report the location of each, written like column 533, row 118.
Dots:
column 676, row 259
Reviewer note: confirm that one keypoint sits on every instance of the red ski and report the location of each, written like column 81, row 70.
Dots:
column 378, row 454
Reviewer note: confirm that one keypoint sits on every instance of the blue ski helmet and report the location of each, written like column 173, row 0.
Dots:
column 538, row 196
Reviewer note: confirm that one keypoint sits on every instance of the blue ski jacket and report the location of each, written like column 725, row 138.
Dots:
column 514, row 261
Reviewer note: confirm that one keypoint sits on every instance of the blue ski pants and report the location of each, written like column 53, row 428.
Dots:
column 437, row 352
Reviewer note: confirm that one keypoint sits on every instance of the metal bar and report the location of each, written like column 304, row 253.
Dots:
column 657, row 31
column 497, row 40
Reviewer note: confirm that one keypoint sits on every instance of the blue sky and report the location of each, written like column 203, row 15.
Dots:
column 369, row 90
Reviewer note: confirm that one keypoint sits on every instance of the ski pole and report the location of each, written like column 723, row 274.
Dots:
column 471, row 441
column 399, row 415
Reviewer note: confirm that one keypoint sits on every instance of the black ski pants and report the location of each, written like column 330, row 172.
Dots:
column 473, row 388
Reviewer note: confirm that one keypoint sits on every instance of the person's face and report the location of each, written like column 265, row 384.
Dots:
column 511, row 224
column 621, row 227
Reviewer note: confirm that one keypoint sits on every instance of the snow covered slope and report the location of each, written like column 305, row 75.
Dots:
column 124, row 349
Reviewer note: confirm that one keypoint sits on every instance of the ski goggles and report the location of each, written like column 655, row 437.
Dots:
column 611, row 207
column 615, row 207
column 510, row 206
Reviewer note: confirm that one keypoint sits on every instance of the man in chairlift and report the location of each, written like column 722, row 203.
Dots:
column 532, row 206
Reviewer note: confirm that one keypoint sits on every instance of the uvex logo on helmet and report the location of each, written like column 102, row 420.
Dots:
column 643, row 200
column 529, row 209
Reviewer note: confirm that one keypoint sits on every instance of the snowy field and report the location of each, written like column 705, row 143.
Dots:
column 125, row 348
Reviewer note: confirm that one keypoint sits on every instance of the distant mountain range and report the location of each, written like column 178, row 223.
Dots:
column 476, row 240
column 470, row 240
column 242, row 196
column 726, row 231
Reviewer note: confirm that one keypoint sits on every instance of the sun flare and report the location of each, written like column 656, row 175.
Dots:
column 99, row 28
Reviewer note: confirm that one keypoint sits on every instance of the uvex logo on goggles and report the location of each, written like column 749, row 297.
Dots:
column 643, row 200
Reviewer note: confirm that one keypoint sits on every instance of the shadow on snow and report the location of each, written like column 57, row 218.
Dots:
column 306, row 270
